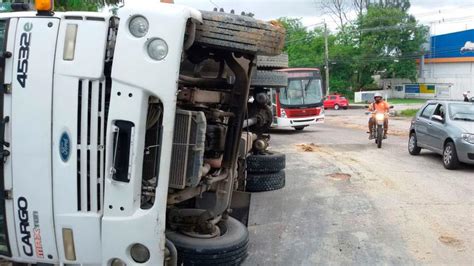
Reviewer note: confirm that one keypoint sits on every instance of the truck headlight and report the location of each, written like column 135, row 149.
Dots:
column 157, row 49
column 140, row 253
column 139, row 26
column 469, row 138
column 117, row 262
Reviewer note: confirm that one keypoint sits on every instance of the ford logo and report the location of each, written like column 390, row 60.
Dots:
column 65, row 147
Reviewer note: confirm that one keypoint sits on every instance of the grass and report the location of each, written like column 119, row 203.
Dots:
column 401, row 101
column 406, row 101
column 408, row 112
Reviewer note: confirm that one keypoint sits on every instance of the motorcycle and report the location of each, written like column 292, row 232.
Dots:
column 378, row 128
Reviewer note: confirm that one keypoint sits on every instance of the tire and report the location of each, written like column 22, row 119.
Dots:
column 228, row 249
column 239, row 34
column 269, row 79
column 379, row 136
column 272, row 62
column 265, row 182
column 450, row 156
column 337, row 107
column 267, row 163
column 299, row 128
column 413, row 148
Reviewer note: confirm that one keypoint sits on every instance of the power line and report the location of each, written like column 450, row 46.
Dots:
column 215, row 5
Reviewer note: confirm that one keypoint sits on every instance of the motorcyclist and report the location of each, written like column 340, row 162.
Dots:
column 379, row 106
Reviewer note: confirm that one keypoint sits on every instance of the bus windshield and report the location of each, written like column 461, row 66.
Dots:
column 302, row 92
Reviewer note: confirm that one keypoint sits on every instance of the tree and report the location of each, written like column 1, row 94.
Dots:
column 337, row 10
column 384, row 39
column 83, row 5
column 360, row 6
column 305, row 48
column 390, row 41
column 403, row 5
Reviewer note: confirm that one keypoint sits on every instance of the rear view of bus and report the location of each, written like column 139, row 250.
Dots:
column 301, row 103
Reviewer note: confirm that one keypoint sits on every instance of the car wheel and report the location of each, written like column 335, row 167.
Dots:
column 230, row 248
column 300, row 128
column 265, row 182
column 413, row 148
column 336, row 107
column 266, row 163
column 450, row 156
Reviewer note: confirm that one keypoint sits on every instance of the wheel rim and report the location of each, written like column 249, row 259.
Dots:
column 448, row 155
column 336, row 107
column 411, row 144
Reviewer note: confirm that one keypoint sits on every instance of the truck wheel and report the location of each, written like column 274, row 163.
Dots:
column 230, row 248
column 266, row 163
column 272, row 62
column 269, row 79
column 239, row 34
column 265, row 182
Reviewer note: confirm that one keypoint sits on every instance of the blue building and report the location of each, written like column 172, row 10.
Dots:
column 449, row 65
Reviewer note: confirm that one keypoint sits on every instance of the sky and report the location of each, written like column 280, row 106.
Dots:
column 442, row 16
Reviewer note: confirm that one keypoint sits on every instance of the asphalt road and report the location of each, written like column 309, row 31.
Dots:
column 348, row 203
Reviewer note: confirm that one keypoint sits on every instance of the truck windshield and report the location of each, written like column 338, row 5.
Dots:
column 302, row 92
column 4, row 246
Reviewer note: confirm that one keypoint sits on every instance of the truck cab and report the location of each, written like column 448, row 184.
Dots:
column 116, row 151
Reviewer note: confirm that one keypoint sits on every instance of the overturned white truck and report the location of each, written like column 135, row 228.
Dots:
column 121, row 134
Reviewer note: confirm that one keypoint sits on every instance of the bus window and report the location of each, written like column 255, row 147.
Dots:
column 302, row 91
column 313, row 93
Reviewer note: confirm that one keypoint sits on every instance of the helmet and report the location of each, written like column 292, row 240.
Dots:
column 378, row 94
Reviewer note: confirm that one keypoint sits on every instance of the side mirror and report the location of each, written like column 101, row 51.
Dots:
column 437, row 118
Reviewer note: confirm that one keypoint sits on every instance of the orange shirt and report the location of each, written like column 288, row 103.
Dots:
column 381, row 107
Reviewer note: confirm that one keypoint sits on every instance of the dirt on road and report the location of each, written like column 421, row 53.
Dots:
column 347, row 202
column 357, row 119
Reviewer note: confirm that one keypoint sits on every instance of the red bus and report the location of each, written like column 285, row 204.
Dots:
column 301, row 103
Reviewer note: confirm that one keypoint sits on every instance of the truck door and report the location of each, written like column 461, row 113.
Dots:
column 32, row 86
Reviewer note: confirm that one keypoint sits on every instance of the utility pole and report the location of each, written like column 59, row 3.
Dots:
column 326, row 56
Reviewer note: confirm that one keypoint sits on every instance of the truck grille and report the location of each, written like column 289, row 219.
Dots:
column 90, row 145
column 188, row 149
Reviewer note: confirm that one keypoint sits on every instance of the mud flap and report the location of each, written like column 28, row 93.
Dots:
column 240, row 206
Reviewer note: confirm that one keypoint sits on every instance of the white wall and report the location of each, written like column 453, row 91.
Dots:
column 364, row 96
column 459, row 75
